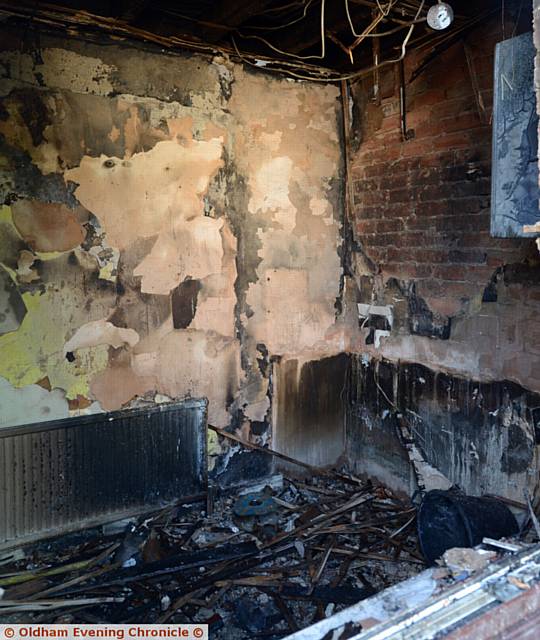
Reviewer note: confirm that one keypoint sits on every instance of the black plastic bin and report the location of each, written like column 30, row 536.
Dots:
column 449, row 519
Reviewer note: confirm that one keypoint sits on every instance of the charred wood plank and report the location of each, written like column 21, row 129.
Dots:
column 229, row 15
column 337, row 595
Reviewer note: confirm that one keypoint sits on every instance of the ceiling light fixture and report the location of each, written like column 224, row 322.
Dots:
column 440, row 16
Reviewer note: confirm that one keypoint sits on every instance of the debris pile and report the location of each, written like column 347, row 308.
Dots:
column 261, row 563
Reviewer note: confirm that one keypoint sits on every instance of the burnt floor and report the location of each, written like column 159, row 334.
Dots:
column 262, row 563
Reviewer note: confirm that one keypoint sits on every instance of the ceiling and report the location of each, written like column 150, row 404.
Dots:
column 311, row 37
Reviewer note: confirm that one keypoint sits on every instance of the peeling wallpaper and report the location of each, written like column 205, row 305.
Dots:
column 170, row 225
column 173, row 226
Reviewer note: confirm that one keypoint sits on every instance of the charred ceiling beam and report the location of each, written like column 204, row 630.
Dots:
column 132, row 10
column 307, row 33
column 229, row 14
column 338, row 29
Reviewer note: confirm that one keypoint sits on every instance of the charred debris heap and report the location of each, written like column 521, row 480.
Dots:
column 264, row 561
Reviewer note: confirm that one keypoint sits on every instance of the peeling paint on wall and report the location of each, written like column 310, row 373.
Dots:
column 193, row 250
column 12, row 307
column 99, row 332
column 48, row 227
column 174, row 224
column 151, row 192
column 33, row 403
column 61, row 68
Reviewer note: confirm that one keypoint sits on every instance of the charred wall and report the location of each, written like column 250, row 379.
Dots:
column 482, row 436
column 169, row 224
column 444, row 307
column 310, row 407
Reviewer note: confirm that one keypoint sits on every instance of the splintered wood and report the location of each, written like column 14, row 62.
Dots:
column 272, row 561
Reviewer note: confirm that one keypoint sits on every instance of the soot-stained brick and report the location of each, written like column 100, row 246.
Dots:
column 518, row 455
column 424, row 322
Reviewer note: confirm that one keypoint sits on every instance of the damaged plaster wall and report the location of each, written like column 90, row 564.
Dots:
column 436, row 295
column 482, row 436
column 169, row 225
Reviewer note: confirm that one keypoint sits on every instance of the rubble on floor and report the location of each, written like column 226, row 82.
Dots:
column 498, row 601
column 250, row 565
column 465, row 561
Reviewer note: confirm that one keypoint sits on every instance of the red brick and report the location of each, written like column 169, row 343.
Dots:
column 461, row 89
column 451, row 272
column 427, row 99
column 481, row 238
column 430, row 209
column 395, row 224
column 447, row 108
column 393, row 254
column 480, row 274
column 433, row 256
column 380, row 239
column 450, row 190
column 400, row 195
column 481, row 152
column 420, row 213
column 415, row 148
column 471, row 223
column 407, row 270
column 425, row 223
column 418, row 120
column 471, row 204
column 467, row 257
column 394, row 180
column 452, row 140
column 371, row 197
column 460, row 122
column 369, row 213
column 377, row 254
column 462, row 290
column 368, row 184
column 410, row 239
column 366, row 226
column 425, row 176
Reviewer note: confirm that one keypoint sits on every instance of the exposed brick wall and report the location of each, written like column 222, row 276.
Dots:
column 465, row 305
column 421, row 215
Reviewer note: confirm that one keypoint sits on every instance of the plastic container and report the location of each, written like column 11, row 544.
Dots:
column 449, row 519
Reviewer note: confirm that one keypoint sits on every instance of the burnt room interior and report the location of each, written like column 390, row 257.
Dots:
column 270, row 316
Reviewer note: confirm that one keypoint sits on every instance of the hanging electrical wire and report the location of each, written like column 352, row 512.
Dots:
column 83, row 22
column 380, row 34
column 282, row 8
column 287, row 24
column 206, row 23
column 294, row 55
column 349, row 76
column 386, row 11
column 373, row 24
column 64, row 17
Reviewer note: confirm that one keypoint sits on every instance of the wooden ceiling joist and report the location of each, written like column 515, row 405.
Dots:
column 133, row 10
column 230, row 14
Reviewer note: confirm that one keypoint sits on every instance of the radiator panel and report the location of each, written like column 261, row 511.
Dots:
column 63, row 475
